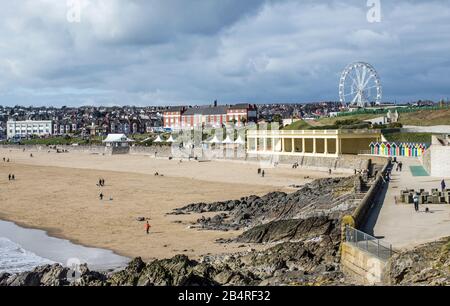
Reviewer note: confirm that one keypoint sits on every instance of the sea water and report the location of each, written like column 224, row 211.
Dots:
column 23, row 249
column 15, row 259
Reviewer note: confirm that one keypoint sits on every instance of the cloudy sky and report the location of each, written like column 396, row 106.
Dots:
column 161, row 52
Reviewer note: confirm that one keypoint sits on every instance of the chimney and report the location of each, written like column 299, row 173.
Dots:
column 215, row 103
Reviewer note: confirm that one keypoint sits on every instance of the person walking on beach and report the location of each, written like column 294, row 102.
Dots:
column 416, row 202
column 443, row 185
column 400, row 165
column 9, row 177
column 263, row 173
column 147, row 227
column 13, row 177
column 101, row 196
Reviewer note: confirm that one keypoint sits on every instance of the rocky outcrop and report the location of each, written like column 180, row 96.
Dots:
column 307, row 262
column 49, row 275
column 288, row 230
column 330, row 197
column 428, row 264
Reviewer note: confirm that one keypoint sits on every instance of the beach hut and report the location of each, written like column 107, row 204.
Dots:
column 383, row 149
column 214, row 140
column 397, row 150
column 372, row 148
column 421, row 149
column 228, row 140
column 377, row 148
column 394, row 149
column 170, row 139
column 408, row 149
column 239, row 141
column 402, row 149
column 388, row 149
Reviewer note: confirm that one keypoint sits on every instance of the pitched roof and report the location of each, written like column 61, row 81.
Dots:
column 117, row 138
column 217, row 110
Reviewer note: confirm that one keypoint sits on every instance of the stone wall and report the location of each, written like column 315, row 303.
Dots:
column 437, row 161
column 436, row 129
column 343, row 163
column 361, row 266
column 161, row 150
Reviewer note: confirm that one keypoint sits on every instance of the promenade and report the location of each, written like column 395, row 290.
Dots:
column 398, row 223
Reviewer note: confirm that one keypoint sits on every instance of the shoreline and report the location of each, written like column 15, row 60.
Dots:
column 59, row 249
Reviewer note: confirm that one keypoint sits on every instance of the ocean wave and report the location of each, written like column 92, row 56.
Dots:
column 15, row 259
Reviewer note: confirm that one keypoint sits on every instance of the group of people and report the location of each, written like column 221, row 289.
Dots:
column 416, row 197
column 11, row 177
column 295, row 165
column 5, row 160
column 399, row 166
column 101, row 182
column 261, row 172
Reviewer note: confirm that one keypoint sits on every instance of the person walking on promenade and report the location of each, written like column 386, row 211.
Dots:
column 147, row 227
column 443, row 185
column 416, row 202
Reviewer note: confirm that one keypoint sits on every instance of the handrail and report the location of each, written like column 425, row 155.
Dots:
column 368, row 243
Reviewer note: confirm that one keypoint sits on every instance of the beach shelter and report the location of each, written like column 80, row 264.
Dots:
column 158, row 139
column 117, row 140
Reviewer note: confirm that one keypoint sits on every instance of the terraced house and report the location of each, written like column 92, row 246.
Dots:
column 214, row 116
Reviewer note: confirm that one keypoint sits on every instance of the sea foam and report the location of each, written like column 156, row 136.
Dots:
column 15, row 259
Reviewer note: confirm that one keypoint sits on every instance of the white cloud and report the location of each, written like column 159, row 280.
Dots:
column 178, row 51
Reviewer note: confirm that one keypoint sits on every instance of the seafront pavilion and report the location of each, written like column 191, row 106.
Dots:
column 328, row 143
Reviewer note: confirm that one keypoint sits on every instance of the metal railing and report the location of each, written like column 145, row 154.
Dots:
column 368, row 243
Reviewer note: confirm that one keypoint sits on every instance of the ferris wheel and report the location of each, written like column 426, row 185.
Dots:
column 360, row 85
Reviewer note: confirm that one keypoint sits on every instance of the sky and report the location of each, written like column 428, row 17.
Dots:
column 176, row 52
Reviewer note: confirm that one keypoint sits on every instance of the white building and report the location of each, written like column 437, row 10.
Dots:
column 28, row 128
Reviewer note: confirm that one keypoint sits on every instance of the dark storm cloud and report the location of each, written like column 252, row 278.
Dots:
column 195, row 51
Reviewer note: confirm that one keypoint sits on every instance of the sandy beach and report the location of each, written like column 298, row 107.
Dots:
column 58, row 193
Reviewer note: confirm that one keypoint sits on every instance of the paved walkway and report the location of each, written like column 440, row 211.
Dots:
column 399, row 224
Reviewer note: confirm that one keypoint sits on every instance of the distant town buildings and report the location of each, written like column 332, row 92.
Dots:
column 20, row 129
column 215, row 116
